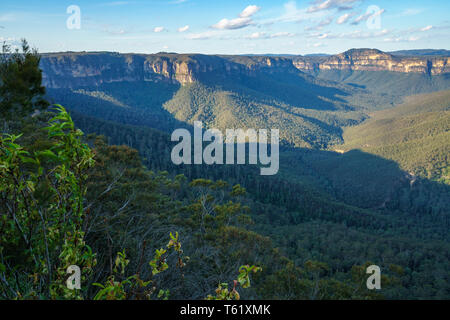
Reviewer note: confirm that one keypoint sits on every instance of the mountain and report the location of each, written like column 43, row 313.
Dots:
column 342, row 208
column 168, row 90
column 375, row 60
column 414, row 134
column 94, row 68
column 422, row 52
column 387, row 76
column 163, row 90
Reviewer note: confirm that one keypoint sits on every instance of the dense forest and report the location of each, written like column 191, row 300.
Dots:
column 414, row 134
column 93, row 186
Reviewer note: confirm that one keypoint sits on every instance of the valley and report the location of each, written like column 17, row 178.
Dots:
column 362, row 179
column 385, row 185
column 275, row 152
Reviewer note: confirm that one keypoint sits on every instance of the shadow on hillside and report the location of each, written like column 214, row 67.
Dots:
column 274, row 89
column 357, row 85
column 355, row 178
column 311, row 184
column 140, row 103
column 265, row 84
column 364, row 179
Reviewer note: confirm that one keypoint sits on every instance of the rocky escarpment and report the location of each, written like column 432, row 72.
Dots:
column 374, row 60
column 87, row 69
column 70, row 69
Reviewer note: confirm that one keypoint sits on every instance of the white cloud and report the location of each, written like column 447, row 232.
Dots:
column 326, row 22
column 402, row 39
column 282, row 34
column 158, row 29
column 358, row 34
column 294, row 14
column 411, row 12
column 237, row 23
column 368, row 16
column 249, row 11
column 321, row 5
column 242, row 21
column 183, row 29
column 426, row 28
column 343, row 19
column 257, row 35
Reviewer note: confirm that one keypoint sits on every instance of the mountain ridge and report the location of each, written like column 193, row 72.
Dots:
column 98, row 67
column 88, row 68
column 374, row 60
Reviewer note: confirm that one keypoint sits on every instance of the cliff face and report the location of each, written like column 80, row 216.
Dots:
column 90, row 69
column 374, row 60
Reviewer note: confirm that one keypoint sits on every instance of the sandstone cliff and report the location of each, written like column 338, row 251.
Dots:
column 93, row 68
column 374, row 60
column 71, row 69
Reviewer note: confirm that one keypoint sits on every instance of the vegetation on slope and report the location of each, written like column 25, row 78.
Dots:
column 415, row 135
column 396, row 85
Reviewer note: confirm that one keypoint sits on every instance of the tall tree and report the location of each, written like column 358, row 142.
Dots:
column 21, row 90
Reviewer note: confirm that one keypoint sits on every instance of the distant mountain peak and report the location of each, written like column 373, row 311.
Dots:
column 362, row 51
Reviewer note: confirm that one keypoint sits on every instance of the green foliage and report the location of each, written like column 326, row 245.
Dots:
column 311, row 228
column 209, row 211
column 42, row 212
column 386, row 83
column 414, row 134
column 222, row 291
column 121, row 192
column 133, row 287
column 321, row 206
column 244, row 271
column 21, row 91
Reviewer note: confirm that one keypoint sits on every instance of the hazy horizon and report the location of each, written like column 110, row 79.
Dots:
column 244, row 54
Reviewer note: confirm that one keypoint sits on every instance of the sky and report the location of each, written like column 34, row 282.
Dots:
column 226, row 27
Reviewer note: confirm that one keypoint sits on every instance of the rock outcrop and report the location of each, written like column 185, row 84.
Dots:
column 374, row 60
column 89, row 69
column 70, row 69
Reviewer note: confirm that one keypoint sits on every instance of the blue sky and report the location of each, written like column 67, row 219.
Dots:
column 228, row 27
